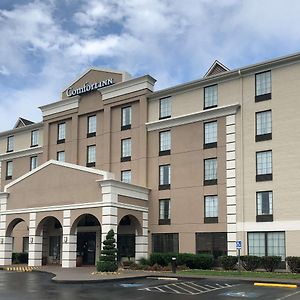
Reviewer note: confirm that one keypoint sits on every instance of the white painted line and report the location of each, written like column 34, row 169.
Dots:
column 175, row 291
column 200, row 286
column 287, row 296
column 191, row 287
column 159, row 289
column 165, row 278
column 178, row 286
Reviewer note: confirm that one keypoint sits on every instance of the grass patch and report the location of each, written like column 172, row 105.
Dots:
column 244, row 274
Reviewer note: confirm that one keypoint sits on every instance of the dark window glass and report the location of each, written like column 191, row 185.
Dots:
column 165, row 242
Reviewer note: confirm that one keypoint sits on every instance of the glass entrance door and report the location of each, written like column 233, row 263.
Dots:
column 86, row 247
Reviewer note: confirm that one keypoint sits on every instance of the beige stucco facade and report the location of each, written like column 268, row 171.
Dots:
column 64, row 192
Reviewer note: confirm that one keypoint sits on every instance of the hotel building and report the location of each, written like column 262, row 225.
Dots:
column 191, row 168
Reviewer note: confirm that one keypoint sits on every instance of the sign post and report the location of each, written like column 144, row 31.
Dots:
column 238, row 248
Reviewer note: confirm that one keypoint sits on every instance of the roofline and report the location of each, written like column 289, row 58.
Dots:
column 213, row 65
column 20, row 129
column 229, row 75
column 125, row 75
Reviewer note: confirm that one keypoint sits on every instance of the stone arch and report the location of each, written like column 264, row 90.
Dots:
column 12, row 225
column 135, row 224
column 39, row 227
column 79, row 218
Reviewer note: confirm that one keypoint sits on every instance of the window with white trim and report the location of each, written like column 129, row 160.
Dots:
column 92, row 126
column 91, row 156
column 164, row 212
column 264, row 206
column 211, row 96
column 33, row 162
column 164, row 177
column 126, row 118
column 61, row 133
column 165, row 142
column 210, row 134
column 10, row 143
column 165, row 108
column 34, row 138
column 264, row 165
column 263, row 85
column 126, row 176
column 60, row 156
column 126, row 149
column 211, row 209
column 263, row 125
column 210, row 171
column 9, row 170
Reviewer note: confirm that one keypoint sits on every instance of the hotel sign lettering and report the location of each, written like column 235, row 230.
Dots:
column 89, row 87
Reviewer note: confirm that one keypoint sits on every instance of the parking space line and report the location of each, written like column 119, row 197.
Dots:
column 173, row 290
column 191, row 287
column 189, row 292
column 200, row 286
column 288, row 296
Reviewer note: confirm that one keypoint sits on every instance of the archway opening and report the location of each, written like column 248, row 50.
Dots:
column 128, row 229
column 88, row 230
column 50, row 229
column 19, row 232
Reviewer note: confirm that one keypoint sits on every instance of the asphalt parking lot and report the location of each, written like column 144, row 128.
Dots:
column 36, row 285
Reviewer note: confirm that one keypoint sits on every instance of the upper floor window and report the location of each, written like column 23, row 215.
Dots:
column 164, row 177
column 211, row 209
column 211, row 96
column 210, row 171
column 210, row 134
column 126, row 176
column 91, row 126
column 33, row 162
column 91, row 156
column 164, row 212
column 10, row 143
column 60, row 156
column 165, row 108
column 9, row 170
column 264, row 165
column 264, row 206
column 126, row 149
column 126, row 118
column 61, row 133
column 34, row 138
column 263, row 125
column 165, row 142
column 263, row 86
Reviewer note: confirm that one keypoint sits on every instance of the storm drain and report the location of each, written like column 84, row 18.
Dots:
column 187, row 288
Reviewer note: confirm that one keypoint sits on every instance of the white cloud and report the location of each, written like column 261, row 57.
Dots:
column 172, row 40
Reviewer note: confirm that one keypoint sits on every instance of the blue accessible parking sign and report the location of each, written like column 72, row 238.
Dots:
column 238, row 244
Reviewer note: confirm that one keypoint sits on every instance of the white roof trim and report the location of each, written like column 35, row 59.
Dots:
column 106, row 175
column 125, row 75
column 130, row 86
column 60, row 106
column 19, row 120
column 216, row 62
column 21, row 153
column 193, row 117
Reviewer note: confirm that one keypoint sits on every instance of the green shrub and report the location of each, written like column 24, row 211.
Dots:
column 228, row 262
column 185, row 259
column 20, row 258
column 293, row 263
column 108, row 261
column 203, row 261
column 144, row 261
column 161, row 259
column 250, row 263
column 270, row 263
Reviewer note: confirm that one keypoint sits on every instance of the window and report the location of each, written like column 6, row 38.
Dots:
column 266, row 244
column 165, row 142
column 10, row 143
column 165, row 242
column 34, row 138
column 164, row 212
column 210, row 171
column 263, row 86
column 210, row 96
column 33, row 162
column 264, row 206
column 211, row 209
column 61, row 133
column 263, row 126
column 60, row 156
column 126, row 176
column 25, row 244
column 214, row 243
column 91, row 126
column 9, row 170
column 126, row 118
column 91, row 156
column 210, row 134
column 164, row 177
column 126, row 149
column 165, row 108
column 264, row 166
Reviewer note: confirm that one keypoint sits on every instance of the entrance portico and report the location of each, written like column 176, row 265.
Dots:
column 68, row 208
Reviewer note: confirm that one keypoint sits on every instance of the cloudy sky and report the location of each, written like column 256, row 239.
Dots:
column 46, row 44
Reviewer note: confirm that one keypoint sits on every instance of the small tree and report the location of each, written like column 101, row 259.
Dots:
column 108, row 257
